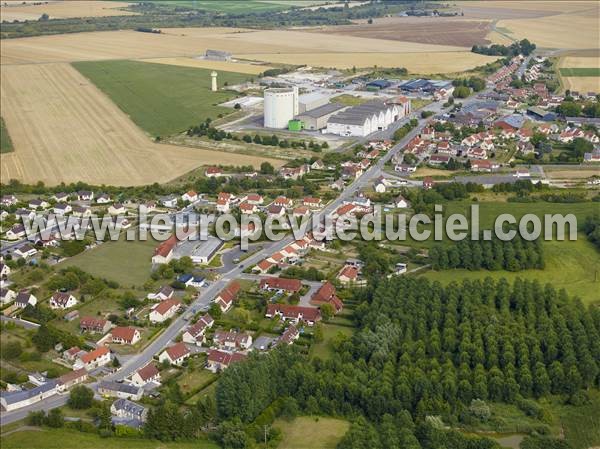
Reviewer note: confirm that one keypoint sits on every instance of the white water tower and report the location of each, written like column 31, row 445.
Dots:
column 213, row 75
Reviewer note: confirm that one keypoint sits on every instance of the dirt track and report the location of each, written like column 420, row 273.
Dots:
column 65, row 130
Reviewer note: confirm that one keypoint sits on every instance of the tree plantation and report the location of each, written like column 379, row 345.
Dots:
column 423, row 351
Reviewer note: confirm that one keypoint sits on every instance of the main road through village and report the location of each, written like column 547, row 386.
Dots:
column 204, row 300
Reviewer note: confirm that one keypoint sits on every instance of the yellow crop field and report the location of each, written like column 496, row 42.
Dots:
column 65, row 130
column 581, row 83
column 193, row 42
column 423, row 63
column 238, row 67
column 532, row 5
column 19, row 10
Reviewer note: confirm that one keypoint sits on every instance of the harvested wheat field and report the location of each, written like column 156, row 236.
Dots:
column 237, row 67
column 19, row 10
column 422, row 63
column 192, row 42
column 527, row 9
column 581, row 83
column 426, row 30
column 65, row 130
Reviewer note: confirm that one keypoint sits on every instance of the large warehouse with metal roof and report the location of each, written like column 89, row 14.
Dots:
column 364, row 119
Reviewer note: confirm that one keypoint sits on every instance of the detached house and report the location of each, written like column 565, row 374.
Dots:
column 25, row 298
column 103, row 199
column 175, row 354
column 290, row 335
column 224, row 202
column 227, row 296
column 7, row 296
column 120, row 390
column 125, row 335
column 165, row 292
column 348, row 274
column 96, row 325
column 62, row 209
column 26, row 251
column 164, row 310
column 326, row 294
column 295, row 314
column 190, row 196
column 60, row 300
column 117, row 209
column 94, row 359
column 71, row 379
column 220, row 360
column 38, row 204
column 147, row 374
column 85, row 195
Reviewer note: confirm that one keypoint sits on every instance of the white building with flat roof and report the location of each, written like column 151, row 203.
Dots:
column 281, row 106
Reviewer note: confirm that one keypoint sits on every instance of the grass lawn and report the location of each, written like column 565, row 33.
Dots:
column 323, row 349
column 580, row 71
column 161, row 99
column 195, row 377
column 349, row 100
column 126, row 262
column 574, row 266
column 581, row 424
column 71, row 439
column 5, row 142
column 311, row 432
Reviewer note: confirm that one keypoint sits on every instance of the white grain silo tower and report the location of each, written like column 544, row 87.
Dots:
column 281, row 106
column 213, row 75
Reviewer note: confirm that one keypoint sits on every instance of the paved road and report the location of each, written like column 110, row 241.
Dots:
column 19, row 322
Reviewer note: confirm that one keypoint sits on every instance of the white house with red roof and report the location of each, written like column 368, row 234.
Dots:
column 213, row 172
column 219, row 360
column 190, row 196
column 196, row 333
column 232, row 341
column 227, row 296
column 93, row 359
column 164, row 310
column 224, row 201
column 175, row 355
column 348, row 274
column 125, row 335
column 295, row 314
column 145, row 375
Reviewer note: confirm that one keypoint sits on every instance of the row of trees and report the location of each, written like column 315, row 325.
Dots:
column 523, row 47
column 513, row 255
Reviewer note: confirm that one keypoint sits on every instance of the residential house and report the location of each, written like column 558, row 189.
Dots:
column 71, row 379
column 60, row 197
column 219, row 360
column 7, row 296
column 169, row 201
column 401, row 203
column 484, row 166
column 117, row 209
column 24, row 298
column 85, row 195
column 263, row 266
column 73, row 353
column 254, row 198
column 290, row 335
column 289, row 286
column 165, row 292
column 125, row 335
column 164, row 310
column 191, row 280
column 213, row 172
column 227, row 296
column 60, row 300
column 196, row 333
column 62, row 209
column 145, row 375
column 128, row 410
column 337, row 185
column 248, row 208
column 39, row 204
column 8, row 200
column 103, row 198
column 12, row 400
column 224, row 202
column 82, row 211
column 175, row 355
column 312, row 202
column 95, row 325
column 25, row 251
column 232, row 341
column 295, row 314
column 4, row 271
column 120, row 390
column 326, row 294
column 348, row 274
column 190, row 196
column 93, row 359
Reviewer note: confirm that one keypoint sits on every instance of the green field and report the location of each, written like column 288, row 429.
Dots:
column 71, row 439
column 161, row 99
column 581, row 424
column 574, row 266
column 6, row 145
column 124, row 262
column 311, row 432
column 580, row 71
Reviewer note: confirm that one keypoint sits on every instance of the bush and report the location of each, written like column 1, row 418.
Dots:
column 81, row 397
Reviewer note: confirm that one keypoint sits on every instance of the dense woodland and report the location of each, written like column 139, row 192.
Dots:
column 512, row 255
column 523, row 47
column 425, row 350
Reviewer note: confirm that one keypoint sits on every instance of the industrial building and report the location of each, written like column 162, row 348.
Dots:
column 310, row 101
column 281, row 106
column 217, row 55
column 423, row 85
column 364, row 119
column 317, row 118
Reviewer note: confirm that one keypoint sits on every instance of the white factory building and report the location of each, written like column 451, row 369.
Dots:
column 281, row 106
column 364, row 119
